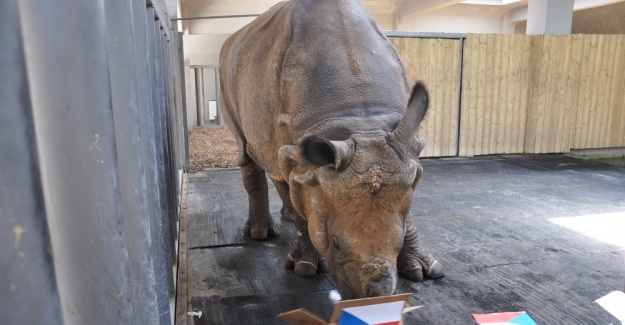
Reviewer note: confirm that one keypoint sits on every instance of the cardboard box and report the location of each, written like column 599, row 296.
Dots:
column 304, row 317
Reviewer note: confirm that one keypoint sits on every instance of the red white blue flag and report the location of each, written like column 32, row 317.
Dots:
column 513, row 318
column 379, row 314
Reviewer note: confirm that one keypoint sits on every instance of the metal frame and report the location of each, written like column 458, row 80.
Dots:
column 200, row 96
column 425, row 35
column 216, row 17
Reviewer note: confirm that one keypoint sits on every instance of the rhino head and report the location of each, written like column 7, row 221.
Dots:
column 356, row 195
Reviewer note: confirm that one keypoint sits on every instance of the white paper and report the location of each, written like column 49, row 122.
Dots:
column 614, row 303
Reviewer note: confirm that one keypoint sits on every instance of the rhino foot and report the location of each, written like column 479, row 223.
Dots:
column 414, row 262
column 287, row 214
column 261, row 231
column 304, row 260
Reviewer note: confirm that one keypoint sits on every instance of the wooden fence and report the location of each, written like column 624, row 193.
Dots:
column 437, row 63
column 519, row 93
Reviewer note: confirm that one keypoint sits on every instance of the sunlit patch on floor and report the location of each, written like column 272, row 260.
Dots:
column 608, row 228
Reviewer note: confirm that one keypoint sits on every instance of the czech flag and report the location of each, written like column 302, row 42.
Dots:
column 513, row 318
column 380, row 314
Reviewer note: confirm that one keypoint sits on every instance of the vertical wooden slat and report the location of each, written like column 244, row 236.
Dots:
column 615, row 92
column 609, row 70
column 556, row 87
column 524, row 66
column 534, row 94
column 454, row 81
column 488, row 95
column 433, row 136
column 479, row 109
column 474, row 94
column 593, row 66
column 442, row 97
column 581, row 110
column 467, row 72
column 504, row 115
column 618, row 88
column 497, row 79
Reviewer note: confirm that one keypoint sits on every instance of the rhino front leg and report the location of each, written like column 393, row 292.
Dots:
column 259, row 224
column 304, row 260
column 414, row 261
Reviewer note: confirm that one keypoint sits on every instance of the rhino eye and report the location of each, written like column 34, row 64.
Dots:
column 335, row 243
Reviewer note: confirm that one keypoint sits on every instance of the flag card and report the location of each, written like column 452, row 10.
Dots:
column 510, row 318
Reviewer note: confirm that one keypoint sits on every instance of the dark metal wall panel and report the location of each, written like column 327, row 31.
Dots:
column 27, row 280
column 90, row 160
column 184, row 145
column 72, row 108
column 146, row 76
column 157, row 106
column 132, row 174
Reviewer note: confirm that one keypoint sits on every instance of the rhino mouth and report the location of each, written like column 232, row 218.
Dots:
column 352, row 284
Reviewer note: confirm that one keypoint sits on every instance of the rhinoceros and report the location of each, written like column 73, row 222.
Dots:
column 319, row 100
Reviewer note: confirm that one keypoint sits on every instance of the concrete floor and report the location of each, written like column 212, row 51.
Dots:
column 544, row 234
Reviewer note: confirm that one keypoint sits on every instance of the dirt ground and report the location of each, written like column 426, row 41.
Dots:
column 212, row 148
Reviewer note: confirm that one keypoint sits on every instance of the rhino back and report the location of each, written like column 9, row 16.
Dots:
column 339, row 65
column 250, row 68
column 302, row 64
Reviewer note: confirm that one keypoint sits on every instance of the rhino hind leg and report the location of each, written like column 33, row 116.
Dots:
column 414, row 261
column 304, row 260
column 259, row 224
column 287, row 212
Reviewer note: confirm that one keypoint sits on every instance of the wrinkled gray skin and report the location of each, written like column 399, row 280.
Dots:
column 319, row 100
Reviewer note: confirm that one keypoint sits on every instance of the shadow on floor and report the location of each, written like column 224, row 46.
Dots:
column 497, row 223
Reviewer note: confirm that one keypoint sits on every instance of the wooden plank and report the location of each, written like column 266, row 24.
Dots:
column 479, row 122
column 513, row 89
column 600, row 90
column 426, row 67
column 617, row 89
column 496, row 97
column 475, row 94
column 591, row 100
column 436, row 119
column 621, row 132
column 442, row 124
column 491, row 53
column 618, row 116
column 524, row 89
column 581, row 114
column 467, row 84
column 534, row 82
column 507, row 114
column 454, row 93
column 608, row 111
column 556, row 94
column 546, row 64
column 569, row 101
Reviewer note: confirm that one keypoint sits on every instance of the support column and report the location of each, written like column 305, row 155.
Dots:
column 552, row 17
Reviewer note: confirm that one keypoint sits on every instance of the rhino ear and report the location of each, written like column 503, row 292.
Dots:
column 324, row 152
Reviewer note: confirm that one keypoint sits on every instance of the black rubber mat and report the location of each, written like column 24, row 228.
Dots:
column 486, row 219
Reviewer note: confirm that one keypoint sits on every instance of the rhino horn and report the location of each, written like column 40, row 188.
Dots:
column 322, row 152
column 417, row 107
